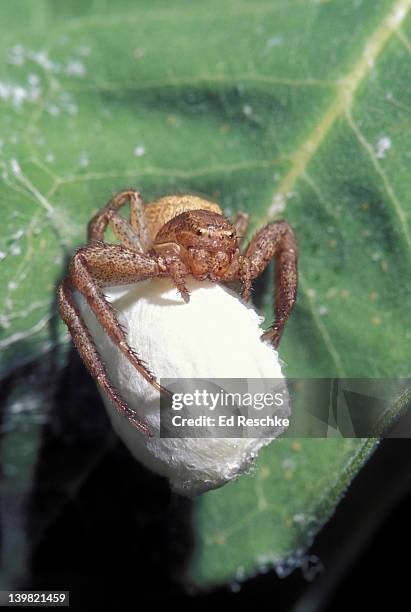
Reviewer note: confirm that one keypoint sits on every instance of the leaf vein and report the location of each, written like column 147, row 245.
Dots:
column 387, row 185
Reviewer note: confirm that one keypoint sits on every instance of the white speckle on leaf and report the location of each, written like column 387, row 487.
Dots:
column 18, row 55
column 53, row 110
column 62, row 103
column 266, row 562
column 138, row 53
column 274, row 41
column 12, row 286
column 288, row 464
column 154, row 315
column 15, row 167
column 19, row 234
column 139, row 151
column 300, row 518
column 15, row 249
column 377, row 256
column 72, row 109
column 383, row 145
column 240, row 573
column 33, row 79
column 322, row 310
column 76, row 68
column 84, row 51
column 18, row 94
column 3, row 255
column 277, row 204
column 42, row 59
column 84, row 160
column 247, row 110
column 5, row 322
column 50, row 159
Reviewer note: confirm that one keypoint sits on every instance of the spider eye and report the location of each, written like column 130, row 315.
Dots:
column 200, row 232
column 231, row 235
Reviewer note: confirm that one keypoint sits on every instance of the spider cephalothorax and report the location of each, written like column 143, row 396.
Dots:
column 205, row 241
column 175, row 236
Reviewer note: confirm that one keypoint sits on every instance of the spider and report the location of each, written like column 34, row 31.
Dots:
column 174, row 236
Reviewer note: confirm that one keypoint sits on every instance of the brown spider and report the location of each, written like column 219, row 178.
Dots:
column 175, row 236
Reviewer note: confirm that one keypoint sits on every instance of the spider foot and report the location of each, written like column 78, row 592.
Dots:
column 182, row 289
column 122, row 407
column 162, row 389
column 272, row 335
column 246, row 293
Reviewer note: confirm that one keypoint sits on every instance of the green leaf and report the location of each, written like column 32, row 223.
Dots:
column 294, row 109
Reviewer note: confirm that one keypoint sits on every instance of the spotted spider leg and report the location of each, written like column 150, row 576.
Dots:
column 133, row 235
column 89, row 354
column 94, row 266
column 275, row 240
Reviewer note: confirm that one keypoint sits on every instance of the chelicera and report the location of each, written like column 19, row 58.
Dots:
column 175, row 236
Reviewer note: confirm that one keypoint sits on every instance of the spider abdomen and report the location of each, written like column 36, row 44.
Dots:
column 159, row 212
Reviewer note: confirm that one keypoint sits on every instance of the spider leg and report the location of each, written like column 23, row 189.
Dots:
column 177, row 271
column 97, row 265
column 170, row 254
column 276, row 240
column 88, row 352
column 138, row 220
column 241, row 224
column 124, row 232
column 135, row 235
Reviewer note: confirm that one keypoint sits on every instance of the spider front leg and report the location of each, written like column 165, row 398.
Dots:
column 93, row 267
column 133, row 236
column 276, row 240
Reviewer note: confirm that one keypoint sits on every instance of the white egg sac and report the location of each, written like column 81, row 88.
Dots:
column 215, row 335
